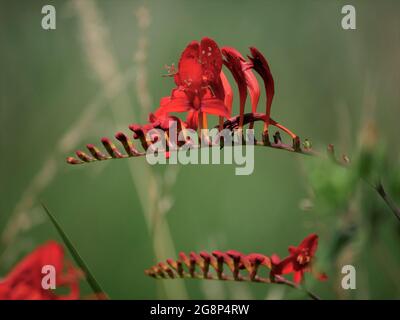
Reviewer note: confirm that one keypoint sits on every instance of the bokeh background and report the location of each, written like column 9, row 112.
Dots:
column 100, row 71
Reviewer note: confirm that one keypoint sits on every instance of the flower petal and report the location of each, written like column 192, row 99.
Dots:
column 173, row 105
column 260, row 64
column 214, row 106
column 228, row 93
column 310, row 243
column 254, row 89
column 211, row 60
column 233, row 61
column 190, row 70
column 275, row 259
column 298, row 276
column 285, row 266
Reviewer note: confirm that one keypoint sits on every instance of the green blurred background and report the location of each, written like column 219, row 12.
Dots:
column 100, row 71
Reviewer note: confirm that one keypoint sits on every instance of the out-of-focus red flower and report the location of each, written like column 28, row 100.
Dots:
column 24, row 282
column 299, row 260
column 199, row 85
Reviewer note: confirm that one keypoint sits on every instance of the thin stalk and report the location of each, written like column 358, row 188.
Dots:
column 390, row 203
column 203, row 126
column 278, row 280
column 94, row 284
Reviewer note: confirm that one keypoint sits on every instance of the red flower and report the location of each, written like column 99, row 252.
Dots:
column 24, row 282
column 202, row 88
column 199, row 85
column 298, row 262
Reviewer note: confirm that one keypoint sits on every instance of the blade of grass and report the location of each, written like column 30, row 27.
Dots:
column 98, row 291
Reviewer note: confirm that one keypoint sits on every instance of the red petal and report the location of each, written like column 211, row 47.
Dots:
column 310, row 243
column 174, row 105
column 298, row 276
column 254, row 89
column 292, row 250
column 189, row 69
column 243, row 75
column 260, row 64
column 234, row 60
column 214, row 106
column 228, row 93
column 285, row 266
column 152, row 117
column 275, row 259
column 164, row 101
column 211, row 59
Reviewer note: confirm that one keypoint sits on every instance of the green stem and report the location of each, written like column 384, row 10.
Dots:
column 98, row 291
column 390, row 203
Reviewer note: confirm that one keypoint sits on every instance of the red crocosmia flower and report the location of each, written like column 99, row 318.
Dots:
column 200, row 88
column 24, row 282
column 298, row 262
column 244, row 77
column 194, row 104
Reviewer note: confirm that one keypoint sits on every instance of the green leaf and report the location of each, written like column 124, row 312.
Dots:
column 98, row 291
